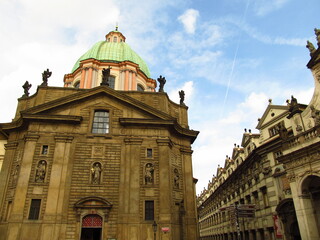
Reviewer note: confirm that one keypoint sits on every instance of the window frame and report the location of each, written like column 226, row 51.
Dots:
column 92, row 122
column 149, row 212
column 34, row 210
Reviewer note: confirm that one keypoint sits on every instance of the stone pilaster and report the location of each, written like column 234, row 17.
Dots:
column 58, row 194
column 19, row 201
column 164, row 181
column 190, row 231
column 129, row 200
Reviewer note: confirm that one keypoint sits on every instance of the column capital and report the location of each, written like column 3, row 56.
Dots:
column 63, row 138
column 11, row 145
column 133, row 141
column 31, row 137
column 186, row 150
column 165, row 142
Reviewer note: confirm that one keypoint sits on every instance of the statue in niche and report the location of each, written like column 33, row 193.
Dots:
column 96, row 173
column 315, row 114
column 311, row 48
column 45, row 75
column 162, row 81
column 149, row 173
column 317, row 32
column 176, row 178
column 181, row 95
column 41, row 171
column 105, row 76
column 15, row 173
column 26, row 86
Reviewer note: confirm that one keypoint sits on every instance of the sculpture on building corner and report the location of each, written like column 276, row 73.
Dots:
column 149, row 174
column 41, row 171
column 96, row 173
column 162, row 81
column 311, row 48
column 45, row 75
column 181, row 95
column 315, row 114
column 105, row 76
column 317, row 32
column 26, row 86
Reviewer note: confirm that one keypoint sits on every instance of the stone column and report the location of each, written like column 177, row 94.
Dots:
column 19, row 200
column 189, row 195
column 10, row 149
column 58, row 192
column 83, row 77
column 126, row 80
column 129, row 200
column 89, row 82
column 165, row 186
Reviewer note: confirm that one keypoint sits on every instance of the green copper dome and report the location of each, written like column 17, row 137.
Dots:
column 113, row 52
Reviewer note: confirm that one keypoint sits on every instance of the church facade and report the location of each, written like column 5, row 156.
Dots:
column 270, row 187
column 104, row 157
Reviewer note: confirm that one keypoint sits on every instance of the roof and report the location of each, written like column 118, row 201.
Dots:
column 113, row 52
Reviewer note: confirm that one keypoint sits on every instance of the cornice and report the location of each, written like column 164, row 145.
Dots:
column 26, row 117
column 173, row 124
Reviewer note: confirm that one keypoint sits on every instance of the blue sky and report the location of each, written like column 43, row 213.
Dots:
column 230, row 56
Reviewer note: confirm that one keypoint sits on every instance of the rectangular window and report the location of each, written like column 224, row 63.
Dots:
column 100, row 122
column 8, row 210
column 34, row 209
column 273, row 131
column 265, row 196
column 149, row 210
column 149, row 153
column 44, row 150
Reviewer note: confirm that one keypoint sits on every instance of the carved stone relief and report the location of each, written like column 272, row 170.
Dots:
column 176, row 178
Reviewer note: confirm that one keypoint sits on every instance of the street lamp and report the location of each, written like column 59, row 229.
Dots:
column 155, row 227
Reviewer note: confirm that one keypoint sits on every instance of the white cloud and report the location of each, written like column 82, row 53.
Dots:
column 264, row 7
column 217, row 136
column 188, row 89
column 189, row 20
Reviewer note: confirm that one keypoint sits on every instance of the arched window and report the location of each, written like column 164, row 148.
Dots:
column 100, row 122
column 115, row 39
column 77, row 84
column 112, row 80
column 140, row 88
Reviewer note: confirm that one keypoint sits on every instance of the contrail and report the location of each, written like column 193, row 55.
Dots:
column 234, row 60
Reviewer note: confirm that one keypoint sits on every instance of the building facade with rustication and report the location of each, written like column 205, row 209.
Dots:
column 275, row 172
column 104, row 157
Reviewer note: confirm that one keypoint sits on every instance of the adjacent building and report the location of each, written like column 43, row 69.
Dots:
column 269, row 188
column 104, row 157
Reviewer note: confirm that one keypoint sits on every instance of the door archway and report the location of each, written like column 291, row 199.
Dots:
column 91, row 227
column 287, row 214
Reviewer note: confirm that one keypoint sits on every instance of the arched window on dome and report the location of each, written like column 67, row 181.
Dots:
column 115, row 39
column 140, row 88
column 112, row 80
column 77, row 85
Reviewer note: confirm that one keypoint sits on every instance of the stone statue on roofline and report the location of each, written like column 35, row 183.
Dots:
column 162, row 81
column 181, row 95
column 105, row 77
column 45, row 75
column 26, row 86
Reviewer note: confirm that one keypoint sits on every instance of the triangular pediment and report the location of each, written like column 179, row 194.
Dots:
column 109, row 95
column 272, row 114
